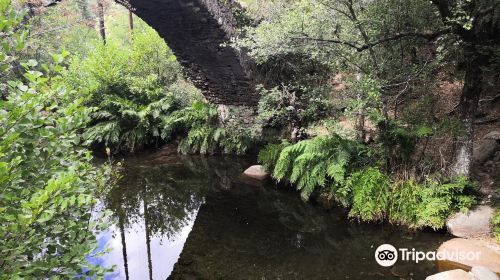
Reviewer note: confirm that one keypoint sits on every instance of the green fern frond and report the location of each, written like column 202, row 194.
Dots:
column 105, row 132
column 314, row 163
column 102, row 115
column 270, row 154
column 370, row 189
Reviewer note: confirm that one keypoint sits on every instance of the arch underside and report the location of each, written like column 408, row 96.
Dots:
column 195, row 30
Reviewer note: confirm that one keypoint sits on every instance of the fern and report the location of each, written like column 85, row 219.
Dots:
column 318, row 163
column 429, row 203
column 107, row 132
column 204, row 134
column 130, row 89
column 270, row 154
column 439, row 200
column 405, row 202
column 120, row 123
column 370, row 192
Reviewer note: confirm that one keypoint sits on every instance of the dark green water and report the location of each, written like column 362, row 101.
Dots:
column 195, row 217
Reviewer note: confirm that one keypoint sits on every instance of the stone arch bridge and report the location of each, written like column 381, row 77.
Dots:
column 196, row 31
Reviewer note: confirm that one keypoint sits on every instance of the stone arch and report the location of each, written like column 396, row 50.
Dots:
column 196, row 30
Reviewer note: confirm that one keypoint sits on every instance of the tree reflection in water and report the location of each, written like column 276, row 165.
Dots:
column 164, row 195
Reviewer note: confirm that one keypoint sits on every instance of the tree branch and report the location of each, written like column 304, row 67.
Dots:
column 430, row 36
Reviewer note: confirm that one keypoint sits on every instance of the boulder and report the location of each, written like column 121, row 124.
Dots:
column 47, row 3
column 467, row 253
column 475, row 223
column 484, row 149
column 494, row 135
column 257, row 172
column 456, row 274
column 483, row 273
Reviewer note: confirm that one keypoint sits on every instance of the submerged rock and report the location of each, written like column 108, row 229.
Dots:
column 475, row 223
column 467, row 253
column 456, row 274
column 257, row 172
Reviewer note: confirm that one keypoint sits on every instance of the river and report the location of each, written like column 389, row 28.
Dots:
column 195, row 217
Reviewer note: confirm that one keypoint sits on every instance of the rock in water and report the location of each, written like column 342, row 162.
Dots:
column 257, row 172
column 483, row 273
column 467, row 253
column 456, row 274
column 474, row 224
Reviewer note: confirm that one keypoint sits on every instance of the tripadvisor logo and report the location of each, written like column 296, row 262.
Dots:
column 387, row 255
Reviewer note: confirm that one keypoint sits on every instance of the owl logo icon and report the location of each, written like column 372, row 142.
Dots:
column 386, row 255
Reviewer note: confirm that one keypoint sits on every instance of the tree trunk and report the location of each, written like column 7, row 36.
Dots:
column 131, row 23
column 148, row 235
column 360, row 125
column 124, row 242
column 467, row 109
column 102, row 28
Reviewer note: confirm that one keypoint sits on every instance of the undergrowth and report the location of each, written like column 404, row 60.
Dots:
column 319, row 163
column 126, row 124
column 429, row 203
column 342, row 168
column 204, row 134
column 369, row 194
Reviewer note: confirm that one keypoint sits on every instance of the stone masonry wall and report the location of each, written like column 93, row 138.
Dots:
column 195, row 30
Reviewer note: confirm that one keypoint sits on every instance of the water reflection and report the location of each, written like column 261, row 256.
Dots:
column 154, row 206
column 196, row 218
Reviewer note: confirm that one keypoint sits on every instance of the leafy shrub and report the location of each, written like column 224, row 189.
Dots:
column 299, row 106
column 401, row 140
column 48, row 183
column 204, row 133
column 370, row 194
column 319, row 163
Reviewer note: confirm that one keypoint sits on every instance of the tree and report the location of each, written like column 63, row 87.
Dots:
column 48, row 184
column 100, row 15
column 359, row 39
column 477, row 24
column 387, row 46
column 83, row 6
column 131, row 22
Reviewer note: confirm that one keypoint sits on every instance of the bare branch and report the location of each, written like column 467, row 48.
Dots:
column 333, row 41
column 430, row 36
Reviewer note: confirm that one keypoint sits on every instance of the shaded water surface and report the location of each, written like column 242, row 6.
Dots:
column 192, row 217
